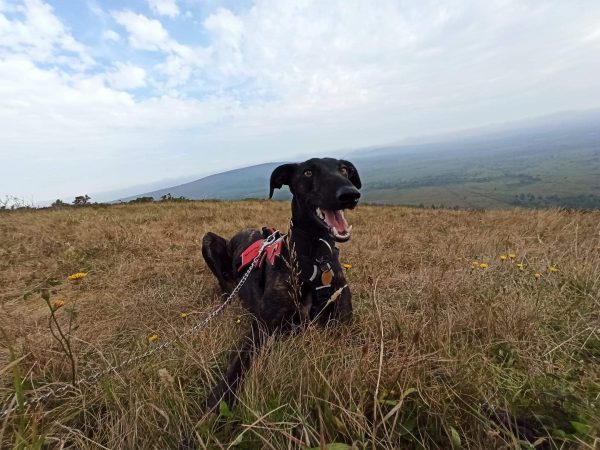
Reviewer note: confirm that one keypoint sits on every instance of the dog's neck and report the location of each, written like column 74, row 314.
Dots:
column 316, row 256
column 310, row 241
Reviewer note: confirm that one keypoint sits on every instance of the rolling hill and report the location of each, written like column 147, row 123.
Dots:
column 248, row 182
column 552, row 161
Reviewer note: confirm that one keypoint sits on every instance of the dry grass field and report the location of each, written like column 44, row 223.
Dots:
column 450, row 347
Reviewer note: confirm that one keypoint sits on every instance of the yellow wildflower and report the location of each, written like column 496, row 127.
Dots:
column 77, row 276
column 538, row 275
column 502, row 257
column 483, row 266
column 521, row 266
column 474, row 264
column 347, row 266
column 512, row 255
column 153, row 338
column 183, row 315
column 58, row 303
column 553, row 269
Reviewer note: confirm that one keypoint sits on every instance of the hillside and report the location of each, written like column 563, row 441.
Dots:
column 249, row 182
column 549, row 162
column 450, row 346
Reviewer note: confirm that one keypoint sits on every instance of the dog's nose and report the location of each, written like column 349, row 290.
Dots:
column 347, row 195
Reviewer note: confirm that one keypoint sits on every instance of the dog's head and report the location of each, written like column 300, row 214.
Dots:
column 322, row 189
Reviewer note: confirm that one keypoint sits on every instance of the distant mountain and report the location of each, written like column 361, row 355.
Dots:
column 551, row 161
column 248, row 182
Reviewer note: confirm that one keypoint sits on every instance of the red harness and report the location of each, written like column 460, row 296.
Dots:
column 270, row 253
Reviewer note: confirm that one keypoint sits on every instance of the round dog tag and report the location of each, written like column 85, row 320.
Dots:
column 327, row 277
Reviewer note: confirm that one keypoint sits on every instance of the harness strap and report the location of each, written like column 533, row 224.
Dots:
column 250, row 253
column 271, row 251
column 315, row 259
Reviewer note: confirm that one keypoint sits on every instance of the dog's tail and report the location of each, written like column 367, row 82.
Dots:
column 240, row 362
column 216, row 254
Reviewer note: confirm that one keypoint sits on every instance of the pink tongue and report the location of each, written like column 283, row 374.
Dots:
column 336, row 219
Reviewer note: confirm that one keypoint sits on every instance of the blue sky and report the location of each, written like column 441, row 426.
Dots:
column 99, row 95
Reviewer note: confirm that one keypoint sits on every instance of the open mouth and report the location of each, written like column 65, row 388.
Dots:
column 336, row 222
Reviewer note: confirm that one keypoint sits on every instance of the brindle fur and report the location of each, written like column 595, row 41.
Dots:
column 268, row 293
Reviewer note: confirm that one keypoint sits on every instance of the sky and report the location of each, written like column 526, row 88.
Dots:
column 99, row 95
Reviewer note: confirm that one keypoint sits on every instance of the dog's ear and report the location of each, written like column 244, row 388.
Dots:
column 282, row 175
column 352, row 174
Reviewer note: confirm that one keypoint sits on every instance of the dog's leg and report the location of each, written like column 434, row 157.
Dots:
column 339, row 312
column 214, row 251
column 238, row 365
column 343, row 307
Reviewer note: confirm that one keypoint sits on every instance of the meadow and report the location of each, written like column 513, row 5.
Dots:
column 472, row 329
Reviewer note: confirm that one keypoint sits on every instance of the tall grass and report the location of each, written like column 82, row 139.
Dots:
column 441, row 353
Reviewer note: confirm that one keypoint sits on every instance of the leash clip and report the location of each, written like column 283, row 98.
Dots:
column 324, row 264
column 268, row 241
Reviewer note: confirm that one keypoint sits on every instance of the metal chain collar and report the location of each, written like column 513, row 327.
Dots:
column 134, row 359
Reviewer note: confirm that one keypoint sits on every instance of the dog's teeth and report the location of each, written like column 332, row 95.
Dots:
column 341, row 237
column 349, row 229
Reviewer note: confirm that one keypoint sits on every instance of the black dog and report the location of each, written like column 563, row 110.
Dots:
column 296, row 283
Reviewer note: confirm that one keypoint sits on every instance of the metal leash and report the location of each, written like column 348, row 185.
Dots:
column 134, row 359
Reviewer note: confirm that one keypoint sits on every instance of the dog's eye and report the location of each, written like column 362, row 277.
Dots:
column 308, row 173
column 344, row 171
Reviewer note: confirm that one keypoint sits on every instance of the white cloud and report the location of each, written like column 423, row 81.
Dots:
column 329, row 57
column 55, row 123
column 279, row 76
column 164, row 7
column 41, row 36
column 149, row 34
column 111, row 35
column 126, row 76
column 144, row 33
column 226, row 27
column 592, row 35
column 227, row 30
